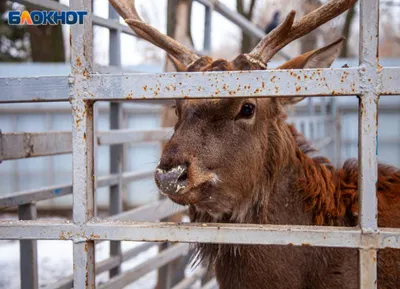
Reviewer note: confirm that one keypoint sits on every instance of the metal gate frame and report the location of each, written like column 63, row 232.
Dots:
column 83, row 88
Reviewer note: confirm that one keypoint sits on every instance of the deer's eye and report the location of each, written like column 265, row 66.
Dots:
column 247, row 111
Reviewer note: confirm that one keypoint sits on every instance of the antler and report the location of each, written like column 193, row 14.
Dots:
column 286, row 32
column 127, row 10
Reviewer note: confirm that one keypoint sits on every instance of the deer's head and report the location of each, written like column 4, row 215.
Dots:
column 223, row 149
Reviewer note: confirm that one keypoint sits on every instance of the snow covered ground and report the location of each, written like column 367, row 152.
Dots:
column 55, row 262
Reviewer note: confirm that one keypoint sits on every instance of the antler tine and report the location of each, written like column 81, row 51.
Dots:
column 126, row 8
column 287, row 32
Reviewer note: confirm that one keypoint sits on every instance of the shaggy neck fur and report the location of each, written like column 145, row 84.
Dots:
column 296, row 190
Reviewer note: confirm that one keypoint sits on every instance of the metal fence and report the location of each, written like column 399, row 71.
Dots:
column 83, row 88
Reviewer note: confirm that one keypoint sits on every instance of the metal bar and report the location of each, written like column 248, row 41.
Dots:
column 28, row 252
column 103, row 266
column 161, row 259
column 24, row 89
column 36, row 144
column 187, row 282
column 36, row 195
column 33, row 196
column 145, row 87
column 83, row 144
column 156, row 210
column 25, row 145
column 207, row 28
column 390, row 81
column 116, row 150
column 120, row 136
column 271, row 83
column 368, row 134
column 203, row 233
column 368, row 264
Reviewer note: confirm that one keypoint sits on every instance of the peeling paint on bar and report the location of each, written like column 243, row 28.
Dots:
column 309, row 82
column 370, row 84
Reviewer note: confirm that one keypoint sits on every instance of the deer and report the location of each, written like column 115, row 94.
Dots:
column 237, row 160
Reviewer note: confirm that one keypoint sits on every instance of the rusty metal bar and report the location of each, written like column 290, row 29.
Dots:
column 368, row 134
column 271, row 83
column 82, row 144
column 28, row 252
column 142, row 87
column 26, row 145
column 204, row 233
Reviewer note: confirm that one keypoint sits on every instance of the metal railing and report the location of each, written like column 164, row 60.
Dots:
column 367, row 81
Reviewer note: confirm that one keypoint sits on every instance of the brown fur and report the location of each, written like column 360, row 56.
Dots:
column 260, row 171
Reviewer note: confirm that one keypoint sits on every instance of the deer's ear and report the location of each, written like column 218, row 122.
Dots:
column 319, row 58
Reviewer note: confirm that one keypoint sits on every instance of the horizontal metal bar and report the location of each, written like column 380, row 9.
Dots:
column 212, row 284
column 103, row 266
column 390, row 81
column 33, row 196
column 158, row 261
column 33, row 89
column 187, row 282
column 156, row 210
column 271, row 83
column 54, row 5
column 205, row 233
column 23, row 108
column 121, row 136
column 25, row 145
column 385, row 141
column 36, row 195
column 36, row 144
column 158, row 88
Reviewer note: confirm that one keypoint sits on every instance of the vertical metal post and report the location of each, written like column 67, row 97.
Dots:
column 28, row 251
column 116, row 151
column 82, row 144
column 207, row 28
column 368, row 116
column 115, row 39
column 311, row 123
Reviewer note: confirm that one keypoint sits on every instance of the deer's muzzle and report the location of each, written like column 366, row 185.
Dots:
column 172, row 181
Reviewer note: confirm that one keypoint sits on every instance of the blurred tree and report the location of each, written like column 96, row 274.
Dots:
column 14, row 40
column 248, row 42
column 347, row 30
column 43, row 43
column 309, row 41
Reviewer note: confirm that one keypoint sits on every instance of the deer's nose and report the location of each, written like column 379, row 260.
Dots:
column 172, row 181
